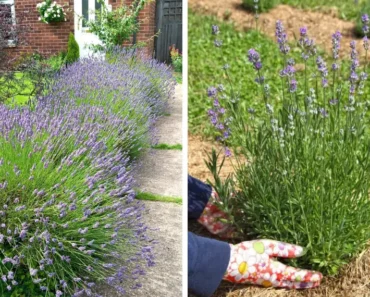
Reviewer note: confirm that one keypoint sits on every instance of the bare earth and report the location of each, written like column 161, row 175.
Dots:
column 320, row 25
column 198, row 147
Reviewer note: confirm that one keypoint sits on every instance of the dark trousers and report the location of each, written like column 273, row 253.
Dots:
column 207, row 258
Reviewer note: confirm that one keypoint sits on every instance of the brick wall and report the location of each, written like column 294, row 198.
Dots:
column 49, row 39
column 44, row 38
column 147, row 24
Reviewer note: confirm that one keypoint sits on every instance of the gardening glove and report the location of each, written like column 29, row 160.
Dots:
column 253, row 262
column 215, row 220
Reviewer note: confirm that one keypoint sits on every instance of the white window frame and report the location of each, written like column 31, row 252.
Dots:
column 11, row 43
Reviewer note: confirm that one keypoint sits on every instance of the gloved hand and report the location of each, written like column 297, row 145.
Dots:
column 215, row 220
column 253, row 262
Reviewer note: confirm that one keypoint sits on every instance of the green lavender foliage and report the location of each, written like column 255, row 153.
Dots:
column 73, row 53
column 302, row 169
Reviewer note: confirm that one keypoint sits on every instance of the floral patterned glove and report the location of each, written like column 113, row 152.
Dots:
column 215, row 220
column 252, row 262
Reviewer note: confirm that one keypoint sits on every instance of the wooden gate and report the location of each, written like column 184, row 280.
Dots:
column 169, row 25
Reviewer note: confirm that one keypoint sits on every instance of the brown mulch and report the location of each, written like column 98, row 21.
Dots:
column 198, row 147
column 354, row 280
column 320, row 25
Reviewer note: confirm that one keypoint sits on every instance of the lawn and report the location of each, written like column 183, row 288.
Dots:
column 21, row 86
column 206, row 62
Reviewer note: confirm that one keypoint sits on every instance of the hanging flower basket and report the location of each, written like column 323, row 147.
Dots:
column 51, row 12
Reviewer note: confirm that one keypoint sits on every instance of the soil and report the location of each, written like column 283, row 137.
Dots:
column 198, row 147
column 354, row 280
column 321, row 25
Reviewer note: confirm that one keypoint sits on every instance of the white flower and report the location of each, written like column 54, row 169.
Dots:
column 243, row 266
column 39, row 18
column 277, row 267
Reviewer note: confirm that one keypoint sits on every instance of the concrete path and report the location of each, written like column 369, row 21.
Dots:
column 165, row 278
column 161, row 170
column 170, row 127
column 161, row 174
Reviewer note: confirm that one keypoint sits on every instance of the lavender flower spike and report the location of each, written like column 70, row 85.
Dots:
column 282, row 38
column 365, row 22
column 255, row 59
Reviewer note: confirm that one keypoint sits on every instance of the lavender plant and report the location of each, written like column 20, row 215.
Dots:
column 69, row 220
column 302, row 165
column 133, row 88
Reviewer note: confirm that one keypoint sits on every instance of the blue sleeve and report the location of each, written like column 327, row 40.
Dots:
column 207, row 263
column 198, row 196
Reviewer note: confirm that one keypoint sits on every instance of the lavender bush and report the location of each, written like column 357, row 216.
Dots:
column 68, row 215
column 127, row 85
column 68, row 218
column 302, row 165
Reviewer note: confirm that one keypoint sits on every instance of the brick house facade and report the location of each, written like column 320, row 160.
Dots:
column 49, row 39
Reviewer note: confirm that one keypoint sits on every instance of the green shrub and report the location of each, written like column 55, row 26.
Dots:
column 67, row 203
column 176, row 58
column 307, row 175
column 114, row 27
column 73, row 53
column 56, row 62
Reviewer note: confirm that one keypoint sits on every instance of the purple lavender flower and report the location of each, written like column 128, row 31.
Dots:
column 353, row 78
column 321, row 66
column 303, row 32
column 366, row 43
column 215, row 30
column 293, row 86
column 323, row 112
column 365, row 22
column 255, row 59
column 336, row 37
column 282, row 38
column 227, row 152
column 212, row 92
column 308, row 45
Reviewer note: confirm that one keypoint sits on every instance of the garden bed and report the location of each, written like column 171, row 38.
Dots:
column 320, row 25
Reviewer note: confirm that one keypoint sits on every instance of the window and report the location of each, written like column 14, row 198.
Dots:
column 7, row 22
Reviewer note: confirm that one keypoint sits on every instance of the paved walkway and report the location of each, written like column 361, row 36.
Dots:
column 161, row 174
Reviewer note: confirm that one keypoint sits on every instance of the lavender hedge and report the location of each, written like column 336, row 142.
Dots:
column 126, row 84
column 68, row 217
